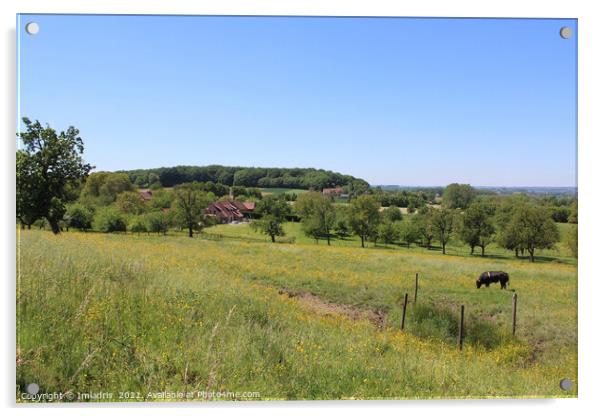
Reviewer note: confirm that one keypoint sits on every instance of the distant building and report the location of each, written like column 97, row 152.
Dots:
column 145, row 194
column 230, row 210
column 338, row 191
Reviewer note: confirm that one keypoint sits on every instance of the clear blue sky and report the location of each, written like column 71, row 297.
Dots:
column 392, row 100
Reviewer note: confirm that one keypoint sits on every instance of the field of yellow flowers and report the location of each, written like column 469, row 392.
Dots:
column 151, row 317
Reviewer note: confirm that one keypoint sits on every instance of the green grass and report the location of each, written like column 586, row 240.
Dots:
column 279, row 191
column 559, row 254
column 144, row 314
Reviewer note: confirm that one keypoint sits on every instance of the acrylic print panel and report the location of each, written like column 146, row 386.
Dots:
column 258, row 208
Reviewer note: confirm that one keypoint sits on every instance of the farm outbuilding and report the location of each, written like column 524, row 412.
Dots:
column 230, row 210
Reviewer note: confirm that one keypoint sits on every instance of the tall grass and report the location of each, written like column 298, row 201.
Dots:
column 145, row 314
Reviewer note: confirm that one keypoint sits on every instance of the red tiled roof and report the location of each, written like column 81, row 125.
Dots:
column 145, row 194
column 250, row 206
column 226, row 209
column 337, row 190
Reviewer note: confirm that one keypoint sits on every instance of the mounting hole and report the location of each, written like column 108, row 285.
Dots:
column 566, row 32
column 566, row 384
column 32, row 28
column 33, row 389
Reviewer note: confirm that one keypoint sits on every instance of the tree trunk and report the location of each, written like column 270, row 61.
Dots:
column 443, row 246
column 273, row 238
column 362, row 237
column 471, row 250
column 328, row 238
column 482, row 251
column 516, row 252
column 531, row 255
column 190, row 232
column 54, row 226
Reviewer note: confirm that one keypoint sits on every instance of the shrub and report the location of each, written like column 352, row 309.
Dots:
column 109, row 220
column 79, row 216
column 137, row 224
column 157, row 222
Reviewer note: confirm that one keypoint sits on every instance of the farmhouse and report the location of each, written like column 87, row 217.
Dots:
column 338, row 191
column 230, row 210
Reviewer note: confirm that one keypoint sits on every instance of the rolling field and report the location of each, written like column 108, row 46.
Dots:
column 146, row 314
column 559, row 254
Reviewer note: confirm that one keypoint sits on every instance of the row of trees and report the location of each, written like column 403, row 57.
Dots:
column 516, row 225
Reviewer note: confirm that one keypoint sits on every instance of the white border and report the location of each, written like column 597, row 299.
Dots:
column 590, row 29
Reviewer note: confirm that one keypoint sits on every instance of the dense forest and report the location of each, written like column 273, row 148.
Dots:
column 302, row 178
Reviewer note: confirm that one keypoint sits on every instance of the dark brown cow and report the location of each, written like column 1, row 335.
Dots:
column 486, row 278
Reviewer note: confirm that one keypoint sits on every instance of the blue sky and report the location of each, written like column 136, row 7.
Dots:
column 391, row 100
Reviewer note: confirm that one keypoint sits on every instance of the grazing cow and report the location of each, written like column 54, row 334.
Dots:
column 487, row 278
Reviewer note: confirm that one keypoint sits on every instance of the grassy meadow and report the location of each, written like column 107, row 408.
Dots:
column 281, row 191
column 242, row 231
column 145, row 314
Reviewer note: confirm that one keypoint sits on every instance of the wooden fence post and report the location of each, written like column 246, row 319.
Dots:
column 403, row 313
column 514, row 299
column 416, row 289
column 461, row 328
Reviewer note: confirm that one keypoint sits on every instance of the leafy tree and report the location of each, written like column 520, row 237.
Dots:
column 161, row 199
column 273, row 211
column 507, row 238
column 560, row 214
column 364, row 217
column 28, row 188
column 189, row 206
column 408, row 232
column 130, row 203
column 392, row 214
column 356, row 187
column 102, row 188
column 388, row 231
column 532, row 228
column 477, row 228
column 138, row 224
column 442, row 224
column 157, row 222
column 109, row 220
column 79, row 216
column 317, row 215
column 341, row 224
column 458, row 196
column 422, row 224
column 50, row 166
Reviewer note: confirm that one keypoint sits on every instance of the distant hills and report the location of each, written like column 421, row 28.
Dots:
column 501, row 190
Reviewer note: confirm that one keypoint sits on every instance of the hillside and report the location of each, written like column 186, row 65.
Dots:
column 101, row 312
column 303, row 178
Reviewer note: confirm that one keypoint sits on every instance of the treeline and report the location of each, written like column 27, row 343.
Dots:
column 515, row 223
column 412, row 200
column 301, row 178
